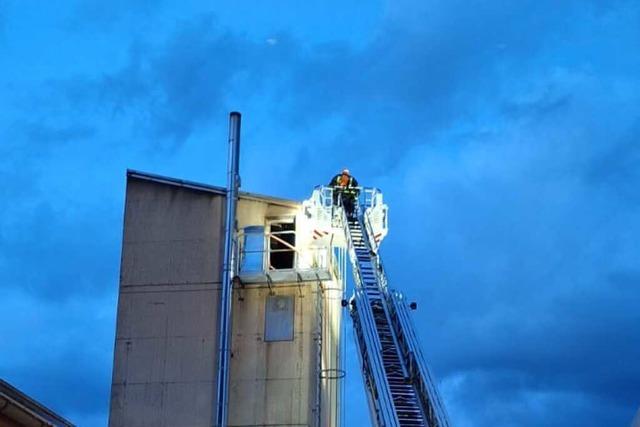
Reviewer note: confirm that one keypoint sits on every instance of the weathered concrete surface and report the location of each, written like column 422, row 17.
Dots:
column 166, row 337
column 272, row 383
column 165, row 349
column 332, row 374
column 277, row 383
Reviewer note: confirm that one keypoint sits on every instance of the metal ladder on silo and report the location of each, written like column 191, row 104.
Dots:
column 400, row 389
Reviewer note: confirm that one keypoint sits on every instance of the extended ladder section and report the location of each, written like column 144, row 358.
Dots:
column 400, row 389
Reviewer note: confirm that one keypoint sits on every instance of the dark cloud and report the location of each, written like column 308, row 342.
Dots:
column 44, row 249
column 618, row 168
column 40, row 133
column 511, row 404
column 64, row 360
column 503, row 135
column 74, row 381
column 526, row 269
column 417, row 72
column 178, row 87
column 46, row 252
column 96, row 15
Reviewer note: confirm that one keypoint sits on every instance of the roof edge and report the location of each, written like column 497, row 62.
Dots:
column 31, row 404
column 147, row 176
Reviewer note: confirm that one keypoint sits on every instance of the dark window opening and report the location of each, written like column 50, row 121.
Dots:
column 282, row 242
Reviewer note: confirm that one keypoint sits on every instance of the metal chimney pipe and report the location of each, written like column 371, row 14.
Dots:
column 228, row 272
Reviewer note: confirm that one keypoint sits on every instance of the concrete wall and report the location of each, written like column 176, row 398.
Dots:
column 272, row 383
column 165, row 349
column 278, row 383
column 166, row 343
column 332, row 374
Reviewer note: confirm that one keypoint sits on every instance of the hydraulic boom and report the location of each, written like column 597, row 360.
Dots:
column 400, row 389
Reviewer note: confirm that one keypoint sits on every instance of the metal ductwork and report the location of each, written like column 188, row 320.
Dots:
column 229, row 268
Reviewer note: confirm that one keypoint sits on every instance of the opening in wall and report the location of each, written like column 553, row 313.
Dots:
column 282, row 243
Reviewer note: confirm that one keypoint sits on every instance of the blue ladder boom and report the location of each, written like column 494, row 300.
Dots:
column 400, row 388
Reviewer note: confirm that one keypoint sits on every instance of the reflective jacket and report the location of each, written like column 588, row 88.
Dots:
column 349, row 189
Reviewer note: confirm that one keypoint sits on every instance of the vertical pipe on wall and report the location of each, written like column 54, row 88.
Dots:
column 228, row 271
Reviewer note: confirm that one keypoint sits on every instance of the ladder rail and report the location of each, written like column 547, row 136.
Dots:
column 401, row 390
column 380, row 402
column 423, row 378
column 411, row 350
column 370, row 348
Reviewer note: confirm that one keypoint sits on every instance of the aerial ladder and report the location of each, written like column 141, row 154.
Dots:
column 400, row 389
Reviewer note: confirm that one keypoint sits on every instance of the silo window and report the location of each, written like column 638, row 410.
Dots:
column 282, row 243
column 279, row 316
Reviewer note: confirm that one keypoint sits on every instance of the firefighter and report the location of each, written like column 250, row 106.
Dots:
column 346, row 186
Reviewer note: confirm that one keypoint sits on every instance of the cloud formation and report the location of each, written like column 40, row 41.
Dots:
column 503, row 136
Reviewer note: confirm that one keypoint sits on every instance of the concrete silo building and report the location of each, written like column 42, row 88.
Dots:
column 230, row 308
column 284, row 361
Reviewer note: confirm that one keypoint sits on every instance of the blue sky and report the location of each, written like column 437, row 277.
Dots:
column 505, row 138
